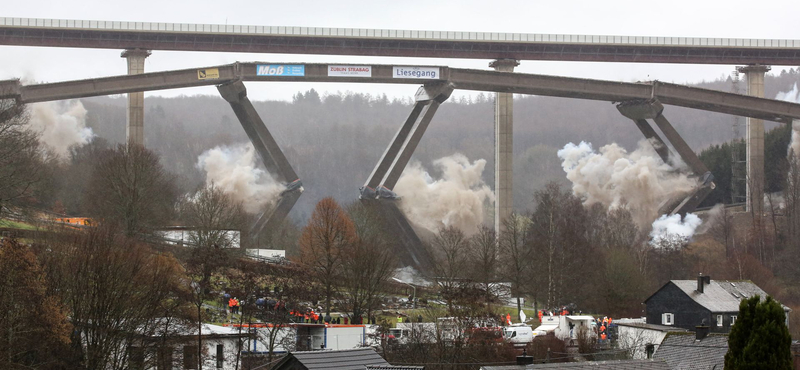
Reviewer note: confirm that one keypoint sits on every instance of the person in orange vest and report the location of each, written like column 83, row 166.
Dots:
column 508, row 318
column 603, row 337
column 540, row 315
column 231, row 304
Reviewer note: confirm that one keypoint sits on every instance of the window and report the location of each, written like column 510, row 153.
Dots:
column 667, row 319
column 719, row 320
column 189, row 357
column 220, row 356
column 164, row 358
column 733, row 319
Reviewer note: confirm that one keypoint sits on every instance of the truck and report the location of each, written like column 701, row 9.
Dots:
column 567, row 327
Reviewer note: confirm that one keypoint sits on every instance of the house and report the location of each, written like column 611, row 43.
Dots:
column 349, row 359
column 590, row 365
column 641, row 339
column 179, row 350
column 696, row 351
column 689, row 303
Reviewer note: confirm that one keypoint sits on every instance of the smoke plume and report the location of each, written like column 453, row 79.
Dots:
column 792, row 96
column 62, row 125
column 639, row 181
column 457, row 199
column 234, row 171
column 672, row 232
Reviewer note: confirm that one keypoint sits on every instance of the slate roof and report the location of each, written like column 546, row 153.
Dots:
column 683, row 352
column 394, row 367
column 591, row 365
column 721, row 295
column 348, row 359
column 663, row 328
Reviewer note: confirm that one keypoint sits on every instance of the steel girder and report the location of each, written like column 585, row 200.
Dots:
column 640, row 112
column 271, row 156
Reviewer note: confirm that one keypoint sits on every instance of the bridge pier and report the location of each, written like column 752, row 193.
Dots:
column 135, row 112
column 235, row 93
column 377, row 191
column 503, row 148
column 640, row 112
column 755, row 140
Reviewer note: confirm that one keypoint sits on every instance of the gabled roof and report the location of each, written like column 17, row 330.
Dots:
column 683, row 352
column 591, row 365
column 348, row 359
column 719, row 295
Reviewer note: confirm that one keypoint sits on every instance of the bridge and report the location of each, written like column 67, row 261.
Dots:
column 395, row 43
column 506, row 50
column 638, row 101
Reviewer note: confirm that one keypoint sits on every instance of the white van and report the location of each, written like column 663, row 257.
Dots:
column 518, row 334
column 566, row 328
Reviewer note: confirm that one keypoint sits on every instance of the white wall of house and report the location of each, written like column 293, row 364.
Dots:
column 635, row 338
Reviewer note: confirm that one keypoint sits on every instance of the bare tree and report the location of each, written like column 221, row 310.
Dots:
column 484, row 257
column 516, row 255
column 367, row 263
column 35, row 331
column 215, row 219
column 22, row 158
column 131, row 189
column 449, row 250
column 327, row 234
column 116, row 293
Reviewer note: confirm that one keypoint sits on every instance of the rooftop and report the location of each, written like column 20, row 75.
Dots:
column 591, row 365
column 721, row 295
column 682, row 351
column 349, row 359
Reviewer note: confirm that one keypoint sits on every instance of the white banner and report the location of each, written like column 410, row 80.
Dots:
column 349, row 71
column 422, row 73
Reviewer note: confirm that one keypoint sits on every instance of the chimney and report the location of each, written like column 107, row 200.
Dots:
column 702, row 281
column 701, row 331
column 524, row 359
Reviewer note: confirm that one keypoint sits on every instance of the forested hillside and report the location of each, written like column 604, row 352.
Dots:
column 335, row 140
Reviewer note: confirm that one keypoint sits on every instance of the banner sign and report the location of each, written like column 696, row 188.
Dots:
column 349, row 71
column 422, row 73
column 286, row 70
column 208, row 74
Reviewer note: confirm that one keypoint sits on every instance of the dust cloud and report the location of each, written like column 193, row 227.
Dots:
column 672, row 231
column 457, row 199
column 233, row 169
column 62, row 125
column 638, row 181
column 792, row 96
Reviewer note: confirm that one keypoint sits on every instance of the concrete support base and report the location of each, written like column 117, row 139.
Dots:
column 135, row 117
column 755, row 140
column 503, row 148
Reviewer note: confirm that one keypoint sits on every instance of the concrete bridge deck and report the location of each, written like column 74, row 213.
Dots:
column 467, row 79
column 397, row 43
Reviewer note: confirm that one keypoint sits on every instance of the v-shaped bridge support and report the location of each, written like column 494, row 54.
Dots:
column 640, row 112
column 378, row 190
column 271, row 155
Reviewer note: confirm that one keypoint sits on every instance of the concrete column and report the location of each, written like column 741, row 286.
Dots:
column 135, row 117
column 503, row 148
column 755, row 140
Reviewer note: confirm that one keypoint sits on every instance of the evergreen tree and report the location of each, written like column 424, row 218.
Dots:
column 760, row 338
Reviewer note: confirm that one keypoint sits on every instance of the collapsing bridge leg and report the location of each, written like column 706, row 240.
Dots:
column 396, row 156
column 639, row 112
column 270, row 153
column 377, row 191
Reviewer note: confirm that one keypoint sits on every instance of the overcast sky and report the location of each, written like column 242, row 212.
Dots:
column 697, row 18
